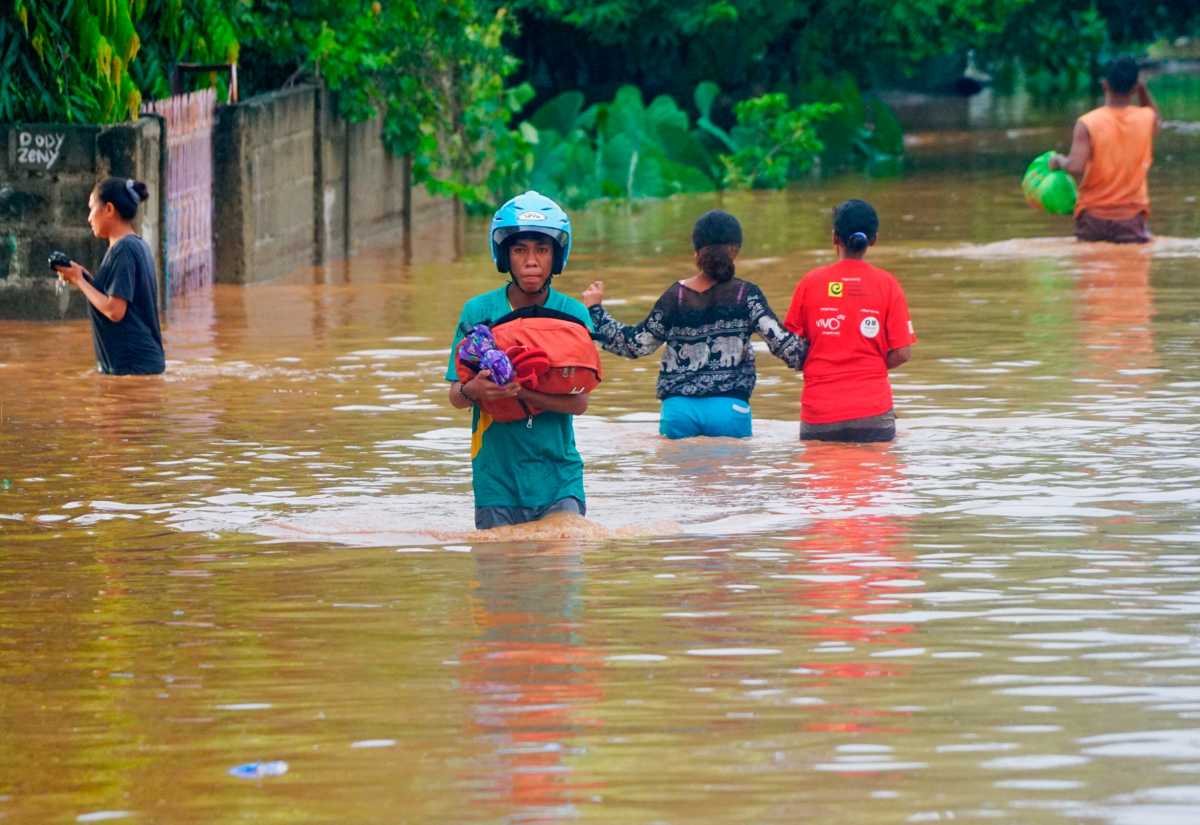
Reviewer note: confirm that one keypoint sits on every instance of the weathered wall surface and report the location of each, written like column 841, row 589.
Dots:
column 379, row 183
column 47, row 172
column 294, row 185
column 330, row 193
column 263, row 182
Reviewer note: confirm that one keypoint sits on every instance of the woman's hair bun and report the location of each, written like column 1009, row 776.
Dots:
column 141, row 190
column 125, row 194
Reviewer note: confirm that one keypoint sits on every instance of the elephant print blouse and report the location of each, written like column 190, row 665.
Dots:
column 707, row 336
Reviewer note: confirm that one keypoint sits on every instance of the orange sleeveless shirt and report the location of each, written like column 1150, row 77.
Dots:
column 1114, row 182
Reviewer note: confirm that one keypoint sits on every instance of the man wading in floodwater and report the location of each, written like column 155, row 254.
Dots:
column 522, row 470
column 1111, row 152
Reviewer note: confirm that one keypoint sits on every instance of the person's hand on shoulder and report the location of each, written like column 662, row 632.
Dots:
column 594, row 294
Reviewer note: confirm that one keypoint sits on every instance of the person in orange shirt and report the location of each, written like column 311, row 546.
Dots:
column 856, row 319
column 1111, row 152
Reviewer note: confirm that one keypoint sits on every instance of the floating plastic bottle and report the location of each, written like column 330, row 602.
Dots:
column 1051, row 190
column 257, row 770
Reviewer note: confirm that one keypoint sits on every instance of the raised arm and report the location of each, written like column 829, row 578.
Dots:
column 790, row 348
column 622, row 339
column 1146, row 99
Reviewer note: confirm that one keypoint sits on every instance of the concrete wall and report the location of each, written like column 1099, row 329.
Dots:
column 295, row 185
column 44, row 204
column 331, row 191
column 379, row 182
column 263, row 181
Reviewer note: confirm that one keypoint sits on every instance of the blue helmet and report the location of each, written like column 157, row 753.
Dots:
column 535, row 213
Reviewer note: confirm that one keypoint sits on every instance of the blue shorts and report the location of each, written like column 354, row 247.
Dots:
column 715, row 416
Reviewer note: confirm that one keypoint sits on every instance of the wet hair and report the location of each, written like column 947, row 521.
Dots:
column 855, row 224
column 1122, row 74
column 124, row 194
column 717, row 236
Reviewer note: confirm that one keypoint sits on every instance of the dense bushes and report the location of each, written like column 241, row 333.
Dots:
column 93, row 61
column 627, row 149
column 757, row 46
column 437, row 68
column 453, row 76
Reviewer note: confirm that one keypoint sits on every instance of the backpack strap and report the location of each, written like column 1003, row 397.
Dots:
column 537, row 312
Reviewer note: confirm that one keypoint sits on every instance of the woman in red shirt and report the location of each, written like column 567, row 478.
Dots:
column 856, row 320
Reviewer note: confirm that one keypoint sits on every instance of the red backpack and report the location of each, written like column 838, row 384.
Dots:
column 551, row 352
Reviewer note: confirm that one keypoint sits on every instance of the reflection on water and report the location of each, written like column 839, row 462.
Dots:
column 266, row 553
column 1115, row 307
column 532, row 678
column 1176, row 91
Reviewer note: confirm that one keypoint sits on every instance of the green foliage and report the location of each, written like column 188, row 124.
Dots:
column 1060, row 51
column 704, row 97
column 619, row 149
column 68, row 61
column 670, row 46
column 748, row 45
column 468, row 147
column 441, row 76
column 861, row 131
column 93, row 61
column 186, row 31
column 435, row 69
column 626, row 149
column 775, row 144
column 341, row 42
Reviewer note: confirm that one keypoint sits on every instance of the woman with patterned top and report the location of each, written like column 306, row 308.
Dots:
column 707, row 372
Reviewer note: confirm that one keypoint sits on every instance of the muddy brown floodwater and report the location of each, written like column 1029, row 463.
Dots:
column 263, row 556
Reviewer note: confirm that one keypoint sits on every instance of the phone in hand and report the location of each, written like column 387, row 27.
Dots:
column 59, row 260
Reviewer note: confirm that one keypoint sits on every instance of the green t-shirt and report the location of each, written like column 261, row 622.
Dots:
column 512, row 463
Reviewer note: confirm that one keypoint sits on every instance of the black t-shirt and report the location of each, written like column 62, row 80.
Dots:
column 132, row 346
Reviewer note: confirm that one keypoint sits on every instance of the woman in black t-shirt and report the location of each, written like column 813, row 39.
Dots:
column 123, row 296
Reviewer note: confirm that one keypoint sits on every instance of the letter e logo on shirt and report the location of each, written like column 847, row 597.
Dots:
column 869, row 327
column 835, row 289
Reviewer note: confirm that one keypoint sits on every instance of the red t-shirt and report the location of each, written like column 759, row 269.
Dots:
column 852, row 313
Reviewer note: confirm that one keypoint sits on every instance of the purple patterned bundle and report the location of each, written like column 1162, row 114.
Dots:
column 477, row 343
column 501, row 368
